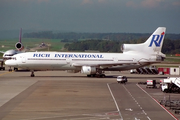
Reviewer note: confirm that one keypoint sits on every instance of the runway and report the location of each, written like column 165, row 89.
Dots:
column 55, row 95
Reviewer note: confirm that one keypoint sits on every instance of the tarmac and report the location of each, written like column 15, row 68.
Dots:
column 57, row 95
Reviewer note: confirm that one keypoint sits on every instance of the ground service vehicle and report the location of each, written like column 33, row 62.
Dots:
column 171, row 84
column 121, row 79
column 151, row 84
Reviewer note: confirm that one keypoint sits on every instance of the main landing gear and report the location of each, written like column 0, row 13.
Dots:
column 15, row 69
column 1, row 67
column 97, row 75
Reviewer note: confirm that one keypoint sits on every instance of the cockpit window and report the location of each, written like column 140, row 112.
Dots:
column 9, row 58
column 8, row 54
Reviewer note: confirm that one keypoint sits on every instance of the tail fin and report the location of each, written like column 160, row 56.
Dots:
column 19, row 46
column 20, row 35
column 155, row 41
column 153, row 44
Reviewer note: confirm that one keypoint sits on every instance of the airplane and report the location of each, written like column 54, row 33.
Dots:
column 9, row 53
column 94, row 64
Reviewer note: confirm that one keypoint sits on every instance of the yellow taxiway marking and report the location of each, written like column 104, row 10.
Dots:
column 6, row 73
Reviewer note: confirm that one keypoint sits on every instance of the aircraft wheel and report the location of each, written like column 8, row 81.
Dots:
column 15, row 69
column 32, row 75
column 93, row 75
column 103, row 75
column 98, row 76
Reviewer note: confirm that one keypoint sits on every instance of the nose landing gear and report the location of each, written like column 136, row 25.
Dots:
column 32, row 73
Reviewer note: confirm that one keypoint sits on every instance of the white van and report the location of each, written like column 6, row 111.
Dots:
column 121, row 79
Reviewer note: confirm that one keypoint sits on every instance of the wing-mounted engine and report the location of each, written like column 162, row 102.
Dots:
column 19, row 46
column 88, row 70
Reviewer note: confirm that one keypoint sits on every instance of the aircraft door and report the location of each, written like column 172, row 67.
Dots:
column 23, row 59
column 68, row 60
column 115, row 59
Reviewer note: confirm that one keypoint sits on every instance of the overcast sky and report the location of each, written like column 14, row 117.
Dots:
column 131, row 16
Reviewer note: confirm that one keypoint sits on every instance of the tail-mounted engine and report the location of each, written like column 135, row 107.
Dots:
column 19, row 46
column 130, row 47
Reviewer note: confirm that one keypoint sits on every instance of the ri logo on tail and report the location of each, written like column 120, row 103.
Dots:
column 157, row 39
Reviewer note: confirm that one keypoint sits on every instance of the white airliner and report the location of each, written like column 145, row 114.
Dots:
column 9, row 53
column 19, row 47
column 94, row 64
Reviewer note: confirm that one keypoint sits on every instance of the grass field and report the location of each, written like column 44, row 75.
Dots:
column 172, row 60
column 55, row 44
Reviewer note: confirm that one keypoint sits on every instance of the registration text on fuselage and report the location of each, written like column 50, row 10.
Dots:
column 68, row 55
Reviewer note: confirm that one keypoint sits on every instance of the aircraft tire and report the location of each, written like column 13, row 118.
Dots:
column 32, row 75
column 2, row 68
column 15, row 69
column 103, row 75
column 92, row 75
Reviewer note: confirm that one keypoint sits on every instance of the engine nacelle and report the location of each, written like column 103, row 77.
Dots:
column 127, row 47
column 88, row 70
column 132, row 47
column 19, row 46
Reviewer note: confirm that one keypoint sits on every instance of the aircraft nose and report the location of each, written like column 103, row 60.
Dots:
column 10, row 63
column 7, row 62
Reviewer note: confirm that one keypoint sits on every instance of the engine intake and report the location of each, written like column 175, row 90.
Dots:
column 19, row 46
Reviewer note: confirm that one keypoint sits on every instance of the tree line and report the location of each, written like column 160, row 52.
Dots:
column 169, row 46
column 97, row 36
column 105, row 42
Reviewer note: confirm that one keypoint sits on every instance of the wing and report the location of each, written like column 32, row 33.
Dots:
column 103, row 65
column 2, row 52
column 115, row 66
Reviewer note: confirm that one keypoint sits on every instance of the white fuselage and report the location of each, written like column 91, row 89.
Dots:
column 74, row 61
